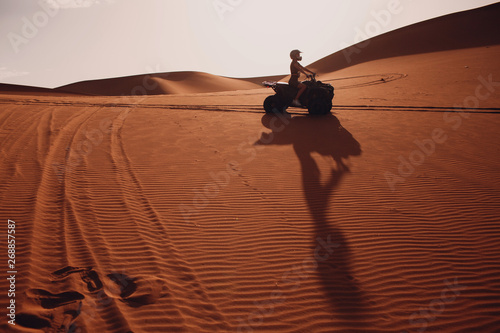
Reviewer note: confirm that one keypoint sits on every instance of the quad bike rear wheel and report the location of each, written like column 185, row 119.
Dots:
column 273, row 104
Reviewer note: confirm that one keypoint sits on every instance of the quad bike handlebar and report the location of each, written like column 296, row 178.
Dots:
column 312, row 77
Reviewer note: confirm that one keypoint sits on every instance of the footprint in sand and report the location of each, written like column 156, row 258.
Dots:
column 87, row 274
column 65, row 271
column 47, row 300
column 29, row 320
column 57, row 313
column 92, row 280
column 137, row 291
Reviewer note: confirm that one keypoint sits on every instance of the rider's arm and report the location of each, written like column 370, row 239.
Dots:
column 303, row 69
column 311, row 72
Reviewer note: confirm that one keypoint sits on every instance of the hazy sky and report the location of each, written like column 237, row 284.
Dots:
column 49, row 43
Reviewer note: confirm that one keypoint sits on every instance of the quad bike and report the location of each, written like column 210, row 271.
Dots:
column 317, row 98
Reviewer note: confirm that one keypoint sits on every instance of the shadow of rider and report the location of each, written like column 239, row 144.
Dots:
column 326, row 136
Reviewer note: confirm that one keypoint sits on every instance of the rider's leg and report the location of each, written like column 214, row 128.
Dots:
column 301, row 87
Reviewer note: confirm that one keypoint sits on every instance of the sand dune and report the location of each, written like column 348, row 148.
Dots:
column 161, row 83
column 12, row 89
column 470, row 29
column 196, row 212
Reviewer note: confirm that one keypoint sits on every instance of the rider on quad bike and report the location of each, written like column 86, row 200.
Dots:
column 313, row 95
column 295, row 69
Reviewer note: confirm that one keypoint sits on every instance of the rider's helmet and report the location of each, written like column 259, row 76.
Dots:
column 295, row 55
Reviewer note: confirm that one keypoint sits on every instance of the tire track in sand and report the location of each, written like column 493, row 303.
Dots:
column 53, row 233
column 152, row 248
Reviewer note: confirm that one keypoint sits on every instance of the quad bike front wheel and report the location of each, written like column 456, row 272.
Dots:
column 320, row 103
column 273, row 104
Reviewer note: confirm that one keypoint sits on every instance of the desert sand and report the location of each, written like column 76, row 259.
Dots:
column 190, row 210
